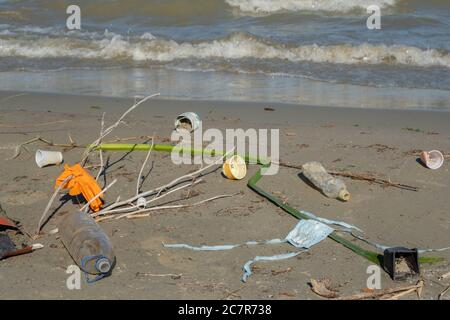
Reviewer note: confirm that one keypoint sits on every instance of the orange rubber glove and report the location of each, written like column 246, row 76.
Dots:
column 81, row 183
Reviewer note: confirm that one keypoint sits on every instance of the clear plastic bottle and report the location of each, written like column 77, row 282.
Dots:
column 87, row 243
column 330, row 186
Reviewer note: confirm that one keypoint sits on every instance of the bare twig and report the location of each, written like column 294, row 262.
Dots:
column 133, row 207
column 108, row 130
column 86, row 206
column 172, row 275
column 385, row 292
column 142, row 213
column 443, row 293
column 138, row 185
column 19, row 147
column 399, row 295
column 172, row 183
column 100, row 152
column 159, row 189
column 50, row 204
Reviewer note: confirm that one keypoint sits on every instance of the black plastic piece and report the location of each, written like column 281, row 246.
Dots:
column 401, row 263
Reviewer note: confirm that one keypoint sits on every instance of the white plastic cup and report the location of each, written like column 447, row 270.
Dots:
column 433, row 159
column 46, row 158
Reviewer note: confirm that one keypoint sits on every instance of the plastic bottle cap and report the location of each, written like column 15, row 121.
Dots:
column 103, row 265
column 344, row 195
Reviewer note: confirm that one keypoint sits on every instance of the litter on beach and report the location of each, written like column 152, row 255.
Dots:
column 97, row 260
column 189, row 121
column 45, row 158
column 80, row 182
column 433, row 159
column 225, row 149
column 321, row 179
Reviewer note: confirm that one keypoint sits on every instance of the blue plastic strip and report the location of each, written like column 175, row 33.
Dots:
column 247, row 267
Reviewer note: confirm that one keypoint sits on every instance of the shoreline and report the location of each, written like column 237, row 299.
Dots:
column 6, row 95
column 222, row 86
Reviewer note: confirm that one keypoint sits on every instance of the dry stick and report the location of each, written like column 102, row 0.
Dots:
column 155, row 199
column 161, row 275
column 399, row 295
column 202, row 169
column 50, row 203
column 359, row 177
column 100, row 151
column 38, row 138
column 159, row 189
column 442, row 294
column 138, row 185
column 192, row 183
column 72, row 144
column 98, row 195
column 378, row 293
column 140, row 214
column 374, row 180
column 108, row 130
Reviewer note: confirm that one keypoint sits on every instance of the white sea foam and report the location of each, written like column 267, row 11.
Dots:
column 271, row 6
column 236, row 46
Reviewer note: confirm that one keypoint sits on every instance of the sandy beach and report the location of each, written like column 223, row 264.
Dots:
column 381, row 142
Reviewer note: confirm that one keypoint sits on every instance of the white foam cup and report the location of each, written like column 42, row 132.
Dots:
column 46, row 158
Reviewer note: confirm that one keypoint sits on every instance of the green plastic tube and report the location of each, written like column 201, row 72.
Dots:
column 370, row 255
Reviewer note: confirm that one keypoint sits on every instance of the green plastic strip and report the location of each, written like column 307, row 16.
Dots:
column 372, row 256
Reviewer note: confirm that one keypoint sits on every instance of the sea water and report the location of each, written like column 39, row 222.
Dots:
column 317, row 52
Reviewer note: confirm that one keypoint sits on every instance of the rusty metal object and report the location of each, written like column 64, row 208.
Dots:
column 7, row 223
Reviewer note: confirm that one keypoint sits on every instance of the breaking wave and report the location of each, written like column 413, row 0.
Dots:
column 271, row 6
column 148, row 48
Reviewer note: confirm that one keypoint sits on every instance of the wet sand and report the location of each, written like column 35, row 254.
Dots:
column 360, row 141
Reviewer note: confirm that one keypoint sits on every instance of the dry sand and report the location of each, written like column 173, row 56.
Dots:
column 356, row 140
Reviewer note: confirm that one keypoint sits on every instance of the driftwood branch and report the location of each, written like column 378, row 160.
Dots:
column 390, row 293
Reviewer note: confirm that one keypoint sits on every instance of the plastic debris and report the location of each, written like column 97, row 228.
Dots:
column 7, row 223
column 305, row 234
column 189, row 121
column 8, row 249
column 330, row 186
column 45, row 158
column 247, row 266
column 432, row 159
column 401, row 263
column 235, row 168
column 88, row 244
column 308, row 233
column 81, row 183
